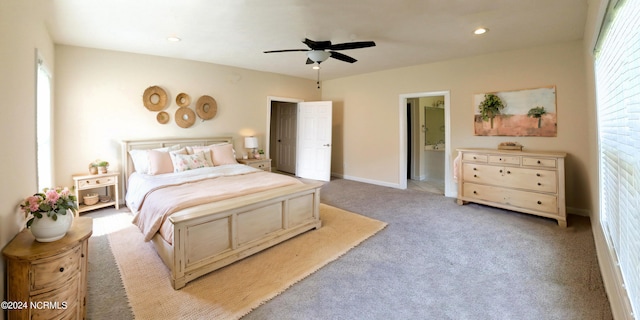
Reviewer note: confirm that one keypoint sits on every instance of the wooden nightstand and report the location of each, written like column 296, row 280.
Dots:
column 264, row 164
column 48, row 280
column 109, row 181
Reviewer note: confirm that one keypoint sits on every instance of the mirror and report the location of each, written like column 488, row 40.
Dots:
column 434, row 130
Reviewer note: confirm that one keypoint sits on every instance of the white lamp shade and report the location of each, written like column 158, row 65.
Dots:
column 250, row 142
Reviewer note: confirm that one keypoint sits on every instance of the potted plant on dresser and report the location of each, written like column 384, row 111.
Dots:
column 50, row 213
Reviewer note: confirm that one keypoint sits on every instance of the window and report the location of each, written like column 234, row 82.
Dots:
column 617, row 67
column 43, row 126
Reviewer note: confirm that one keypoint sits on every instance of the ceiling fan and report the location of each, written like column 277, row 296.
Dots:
column 320, row 51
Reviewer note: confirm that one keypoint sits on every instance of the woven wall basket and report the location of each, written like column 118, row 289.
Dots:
column 148, row 97
column 206, row 107
column 185, row 117
column 183, row 99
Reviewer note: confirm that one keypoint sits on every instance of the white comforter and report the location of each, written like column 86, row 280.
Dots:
column 141, row 184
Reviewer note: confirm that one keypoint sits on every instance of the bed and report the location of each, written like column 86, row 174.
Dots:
column 201, row 237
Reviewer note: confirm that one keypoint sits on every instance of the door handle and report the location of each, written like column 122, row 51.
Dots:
column 326, row 145
column 279, row 140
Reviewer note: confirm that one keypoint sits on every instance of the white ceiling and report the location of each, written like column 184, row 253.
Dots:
column 236, row 32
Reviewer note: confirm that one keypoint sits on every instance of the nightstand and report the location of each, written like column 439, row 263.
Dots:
column 109, row 181
column 48, row 280
column 264, row 164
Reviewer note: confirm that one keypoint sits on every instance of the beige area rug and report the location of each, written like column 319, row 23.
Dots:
column 235, row 290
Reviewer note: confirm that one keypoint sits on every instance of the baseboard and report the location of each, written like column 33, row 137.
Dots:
column 579, row 212
column 369, row 181
column 611, row 275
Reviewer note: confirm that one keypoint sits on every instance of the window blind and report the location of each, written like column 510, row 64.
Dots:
column 617, row 67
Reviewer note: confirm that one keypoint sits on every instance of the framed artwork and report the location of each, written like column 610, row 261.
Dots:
column 518, row 113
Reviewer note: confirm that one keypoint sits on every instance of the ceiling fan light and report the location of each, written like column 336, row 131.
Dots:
column 480, row 31
column 318, row 55
column 316, row 66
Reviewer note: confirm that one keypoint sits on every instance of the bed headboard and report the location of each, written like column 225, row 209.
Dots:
column 128, row 145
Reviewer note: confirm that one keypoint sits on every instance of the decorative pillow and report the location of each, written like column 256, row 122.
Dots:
column 207, row 153
column 160, row 161
column 140, row 157
column 223, row 154
column 184, row 162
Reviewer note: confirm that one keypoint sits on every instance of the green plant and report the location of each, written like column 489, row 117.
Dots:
column 490, row 107
column 99, row 163
column 537, row 112
column 51, row 202
column 261, row 151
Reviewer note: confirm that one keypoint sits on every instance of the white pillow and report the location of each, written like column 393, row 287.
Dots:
column 140, row 158
column 184, row 162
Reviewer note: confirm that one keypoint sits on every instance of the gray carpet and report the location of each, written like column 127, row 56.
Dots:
column 435, row 260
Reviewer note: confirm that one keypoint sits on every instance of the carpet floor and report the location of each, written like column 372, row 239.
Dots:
column 434, row 260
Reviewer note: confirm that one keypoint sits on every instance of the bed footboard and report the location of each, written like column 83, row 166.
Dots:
column 209, row 237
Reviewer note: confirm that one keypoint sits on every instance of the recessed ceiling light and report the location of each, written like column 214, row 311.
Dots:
column 173, row 38
column 480, row 31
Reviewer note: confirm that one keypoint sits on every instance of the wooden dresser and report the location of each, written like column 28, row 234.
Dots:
column 528, row 182
column 48, row 280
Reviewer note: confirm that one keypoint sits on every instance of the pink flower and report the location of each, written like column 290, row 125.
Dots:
column 65, row 192
column 34, row 203
column 52, row 196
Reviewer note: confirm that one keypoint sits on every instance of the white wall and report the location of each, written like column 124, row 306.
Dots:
column 375, row 96
column 99, row 102
column 21, row 33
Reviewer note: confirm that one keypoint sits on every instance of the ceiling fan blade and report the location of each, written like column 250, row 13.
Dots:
column 342, row 57
column 287, row 50
column 309, row 61
column 352, row 45
column 317, row 45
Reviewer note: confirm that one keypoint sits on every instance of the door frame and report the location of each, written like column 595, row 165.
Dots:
column 402, row 115
column 267, row 138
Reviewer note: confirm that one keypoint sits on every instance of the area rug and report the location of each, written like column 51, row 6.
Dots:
column 235, row 290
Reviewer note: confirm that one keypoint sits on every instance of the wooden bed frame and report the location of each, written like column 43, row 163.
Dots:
column 210, row 236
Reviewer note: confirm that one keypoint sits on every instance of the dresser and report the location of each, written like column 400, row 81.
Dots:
column 48, row 280
column 528, row 182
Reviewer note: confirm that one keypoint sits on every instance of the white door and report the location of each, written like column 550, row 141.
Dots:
column 314, row 140
column 286, row 137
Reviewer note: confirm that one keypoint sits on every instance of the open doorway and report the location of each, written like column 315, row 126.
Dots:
column 424, row 141
column 298, row 140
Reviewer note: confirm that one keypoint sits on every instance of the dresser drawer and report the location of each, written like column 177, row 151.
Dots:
column 482, row 173
column 539, row 162
column 474, row 157
column 96, row 182
column 522, row 199
column 531, row 179
column 58, row 269
column 63, row 302
column 501, row 159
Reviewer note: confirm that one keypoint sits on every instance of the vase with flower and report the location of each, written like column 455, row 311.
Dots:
column 50, row 213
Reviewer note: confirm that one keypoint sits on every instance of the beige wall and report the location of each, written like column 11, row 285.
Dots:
column 368, row 150
column 99, row 102
column 21, row 33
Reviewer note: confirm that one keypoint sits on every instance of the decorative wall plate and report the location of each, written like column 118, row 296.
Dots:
column 183, row 99
column 154, row 98
column 206, row 107
column 185, row 117
column 162, row 117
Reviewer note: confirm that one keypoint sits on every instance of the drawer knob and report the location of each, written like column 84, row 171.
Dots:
column 539, row 162
column 475, row 176
column 97, row 181
column 500, row 159
column 539, row 202
column 475, row 192
column 537, row 174
column 474, row 169
column 61, row 269
column 539, row 183
column 500, row 170
column 508, row 172
column 474, row 158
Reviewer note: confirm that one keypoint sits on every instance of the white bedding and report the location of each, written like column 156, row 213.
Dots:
column 141, row 184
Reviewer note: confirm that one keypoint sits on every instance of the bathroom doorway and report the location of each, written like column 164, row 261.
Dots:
column 426, row 133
